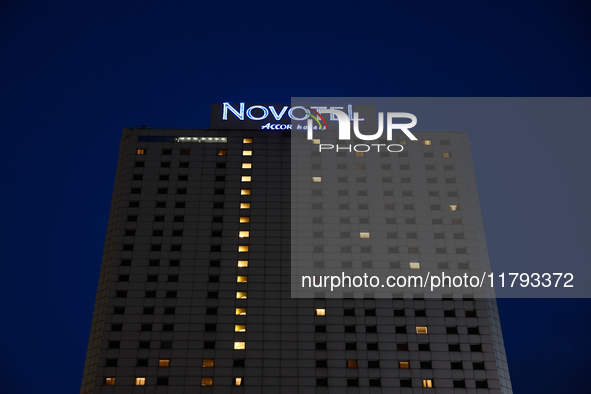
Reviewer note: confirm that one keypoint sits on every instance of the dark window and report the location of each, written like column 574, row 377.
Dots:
column 351, row 346
column 142, row 362
column 173, row 278
column 152, row 278
column 181, row 191
column 174, row 263
column 136, row 190
column 132, row 218
column 453, row 348
column 162, row 381
column 211, row 311
column 456, row 365
column 371, row 329
column 175, row 248
column 473, row 331
column 217, row 219
column 219, row 205
column 156, row 248
column 216, row 248
column 481, row 384
column 478, row 366
column 184, row 164
column 149, row 311
column 111, row 362
column 476, row 348
column 352, row 382
column 449, row 313
column 321, row 364
column 320, row 329
column 114, row 344
column 163, row 177
column 370, row 312
column 166, row 345
column 239, row 363
column 158, row 233
column 165, row 164
column 183, row 177
column 214, row 263
column 405, row 383
column 169, row 311
column 171, row 294
column 350, row 312
column 209, row 345
column 146, row 327
column 375, row 383
column 123, row 278
column 177, row 233
column 162, row 190
column 179, row 204
column 349, row 328
column 116, row 327
column 212, row 294
column 121, row 294
column 459, row 384
column 322, row 382
column 320, row 345
column 451, row 330
column 159, row 218
column 210, row 327
column 144, row 345
column 220, row 178
column 470, row 313
column 402, row 347
column 372, row 346
column 420, row 312
column 426, row 365
column 424, row 347
column 373, row 364
column 398, row 312
column 139, row 163
column 151, row 294
column 119, row 310
column 220, row 165
column 400, row 329
column 167, row 151
column 179, row 218
column 134, row 204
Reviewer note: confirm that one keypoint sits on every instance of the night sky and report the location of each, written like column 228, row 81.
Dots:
column 73, row 74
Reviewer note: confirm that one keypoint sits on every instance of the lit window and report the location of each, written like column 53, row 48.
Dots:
column 207, row 381
column 244, row 205
column 140, row 381
column 352, row 364
column 109, row 381
column 239, row 345
column 141, row 152
column 242, row 263
column 247, row 141
column 401, row 142
column 207, row 363
column 243, row 248
column 316, row 141
column 244, row 234
column 246, row 153
column 246, row 178
column 446, row 154
column 359, row 154
column 242, row 279
column 364, row 235
column 404, row 364
column 426, row 142
column 246, row 165
column 415, row 265
column 316, row 179
column 241, row 295
column 453, row 207
column 360, row 166
column 240, row 328
column 241, row 311
column 427, row 383
column 238, row 381
column 320, row 312
column 244, row 219
column 421, row 330
column 222, row 152
column 164, row 363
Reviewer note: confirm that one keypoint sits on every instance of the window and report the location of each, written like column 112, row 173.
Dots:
column 169, row 311
column 402, row 347
column 246, row 153
column 112, row 362
column 372, row 346
column 426, row 142
column 144, row 344
column 453, row 207
column 470, row 313
column 241, row 295
column 449, row 313
column 364, row 235
column 121, row 294
column 183, row 178
column 243, row 248
column 244, row 205
column 373, row 364
column 351, row 346
column 246, row 178
column 453, row 348
column 420, row 312
column 239, row 363
column 320, row 329
column 140, row 381
column 109, row 381
column 476, row 348
column 164, row 362
column 116, row 327
column 473, row 331
column 239, row 345
column 481, row 384
column 247, row 140
column 371, row 329
column 415, row 265
column 168, row 327
column 320, row 312
column 241, row 311
column 146, row 327
column 456, row 365
column 139, row 164
column 320, row 345
column 238, row 381
column 222, row 152
column 404, row 364
column 400, row 329
column 478, row 366
column 421, row 330
column 246, row 165
column 244, row 234
column 451, row 330
column 209, row 345
column 359, row 154
column 316, row 141
column 210, row 327
column 459, row 384
column 245, row 192
column 424, row 347
column 207, row 363
column 349, row 328
column 352, row 364
column 426, row 365
column 242, row 263
column 316, row 179
column 322, row 382
column 446, row 154
column 240, row 328
column 242, row 279
column 211, row 311
column 207, row 381
column 427, row 383
column 165, row 345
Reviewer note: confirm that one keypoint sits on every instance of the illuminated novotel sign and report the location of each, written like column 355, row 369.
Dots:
column 263, row 116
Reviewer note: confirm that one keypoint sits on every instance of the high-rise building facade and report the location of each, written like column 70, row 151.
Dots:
column 194, row 288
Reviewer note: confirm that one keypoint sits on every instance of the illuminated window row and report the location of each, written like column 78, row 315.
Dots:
column 209, row 381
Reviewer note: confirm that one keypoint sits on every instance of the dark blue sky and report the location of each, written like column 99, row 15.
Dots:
column 74, row 73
